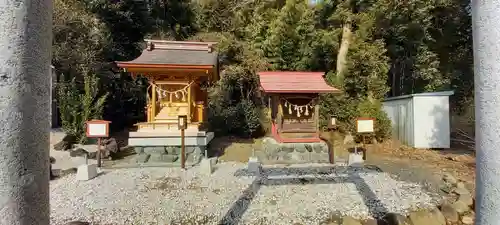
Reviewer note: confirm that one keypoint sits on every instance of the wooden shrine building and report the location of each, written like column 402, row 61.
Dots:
column 294, row 104
column 177, row 72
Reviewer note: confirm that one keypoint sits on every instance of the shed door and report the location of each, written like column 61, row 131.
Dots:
column 402, row 125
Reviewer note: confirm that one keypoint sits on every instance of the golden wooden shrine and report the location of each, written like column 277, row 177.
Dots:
column 177, row 73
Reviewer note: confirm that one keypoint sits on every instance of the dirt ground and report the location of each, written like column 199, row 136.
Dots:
column 416, row 165
column 424, row 165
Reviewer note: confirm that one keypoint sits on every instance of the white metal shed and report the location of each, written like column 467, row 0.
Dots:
column 420, row 120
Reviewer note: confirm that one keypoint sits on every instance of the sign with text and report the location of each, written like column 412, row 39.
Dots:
column 97, row 128
column 332, row 123
column 365, row 125
column 182, row 122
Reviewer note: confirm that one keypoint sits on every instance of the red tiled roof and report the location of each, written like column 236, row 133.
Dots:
column 294, row 82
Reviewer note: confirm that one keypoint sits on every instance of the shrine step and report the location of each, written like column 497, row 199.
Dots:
column 298, row 135
column 170, row 138
column 162, row 125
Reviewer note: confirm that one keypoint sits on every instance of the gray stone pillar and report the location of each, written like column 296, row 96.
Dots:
column 25, row 55
column 486, row 38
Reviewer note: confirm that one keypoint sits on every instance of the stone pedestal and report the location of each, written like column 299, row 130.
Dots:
column 207, row 166
column 254, row 165
column 163, row 148
column 355, row 160
column 86, row 172
column 275, row 152
column 168, row 154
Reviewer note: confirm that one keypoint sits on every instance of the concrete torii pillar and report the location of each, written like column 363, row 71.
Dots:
column 25, row 59
column 486, row 38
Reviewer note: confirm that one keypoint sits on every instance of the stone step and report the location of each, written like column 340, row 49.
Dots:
column 167, row 133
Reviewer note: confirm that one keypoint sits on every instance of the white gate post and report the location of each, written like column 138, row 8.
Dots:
column 486, row 38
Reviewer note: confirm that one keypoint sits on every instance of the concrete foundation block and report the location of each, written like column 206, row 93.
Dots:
column 195, row 154
column 319, row 157
column 139, row 149
column 254, row 165
column 141, row 158
column 154, row 150
column 169, row 158
column 173, row 150
column 86, row 172
column 157, row 158
column 355, row 159
column 206, row 166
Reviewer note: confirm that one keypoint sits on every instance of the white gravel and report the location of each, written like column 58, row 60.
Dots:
column 173, row 196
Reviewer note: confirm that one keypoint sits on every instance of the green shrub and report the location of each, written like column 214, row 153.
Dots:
column 231, row 110
column 346, row 110
column 382, row 123
column 77, row 106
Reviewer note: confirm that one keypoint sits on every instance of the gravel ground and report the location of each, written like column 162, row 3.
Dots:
column 305, row 194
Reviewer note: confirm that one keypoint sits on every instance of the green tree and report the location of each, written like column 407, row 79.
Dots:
column 78, row 107
column 288, row 42
column 367, row 47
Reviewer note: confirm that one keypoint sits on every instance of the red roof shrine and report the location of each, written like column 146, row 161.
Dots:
column 294, row 82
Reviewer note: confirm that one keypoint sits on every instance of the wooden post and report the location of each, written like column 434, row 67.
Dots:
column 316, row 115
column 192, row 103
column 332, row 144
column 182, row 122
column 183, row 150
column 331, row 130
column 280, row 114
column 153, row 102
column 98, row 153
column 148, row 107
column 363, row 145
column 189, row 101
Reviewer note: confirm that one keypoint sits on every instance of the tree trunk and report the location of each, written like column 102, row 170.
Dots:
column 343, row 50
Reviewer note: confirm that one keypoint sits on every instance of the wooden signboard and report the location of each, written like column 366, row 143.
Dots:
column 365, row 125
column 182, row 122
column 332, row 123
column 97, row 128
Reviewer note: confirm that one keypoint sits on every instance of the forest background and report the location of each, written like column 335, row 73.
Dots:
column 369, row 49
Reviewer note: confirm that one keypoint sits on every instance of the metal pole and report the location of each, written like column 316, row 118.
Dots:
column 98, row 153
column 486, row 40
column 25, row 58
column 183, row 150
